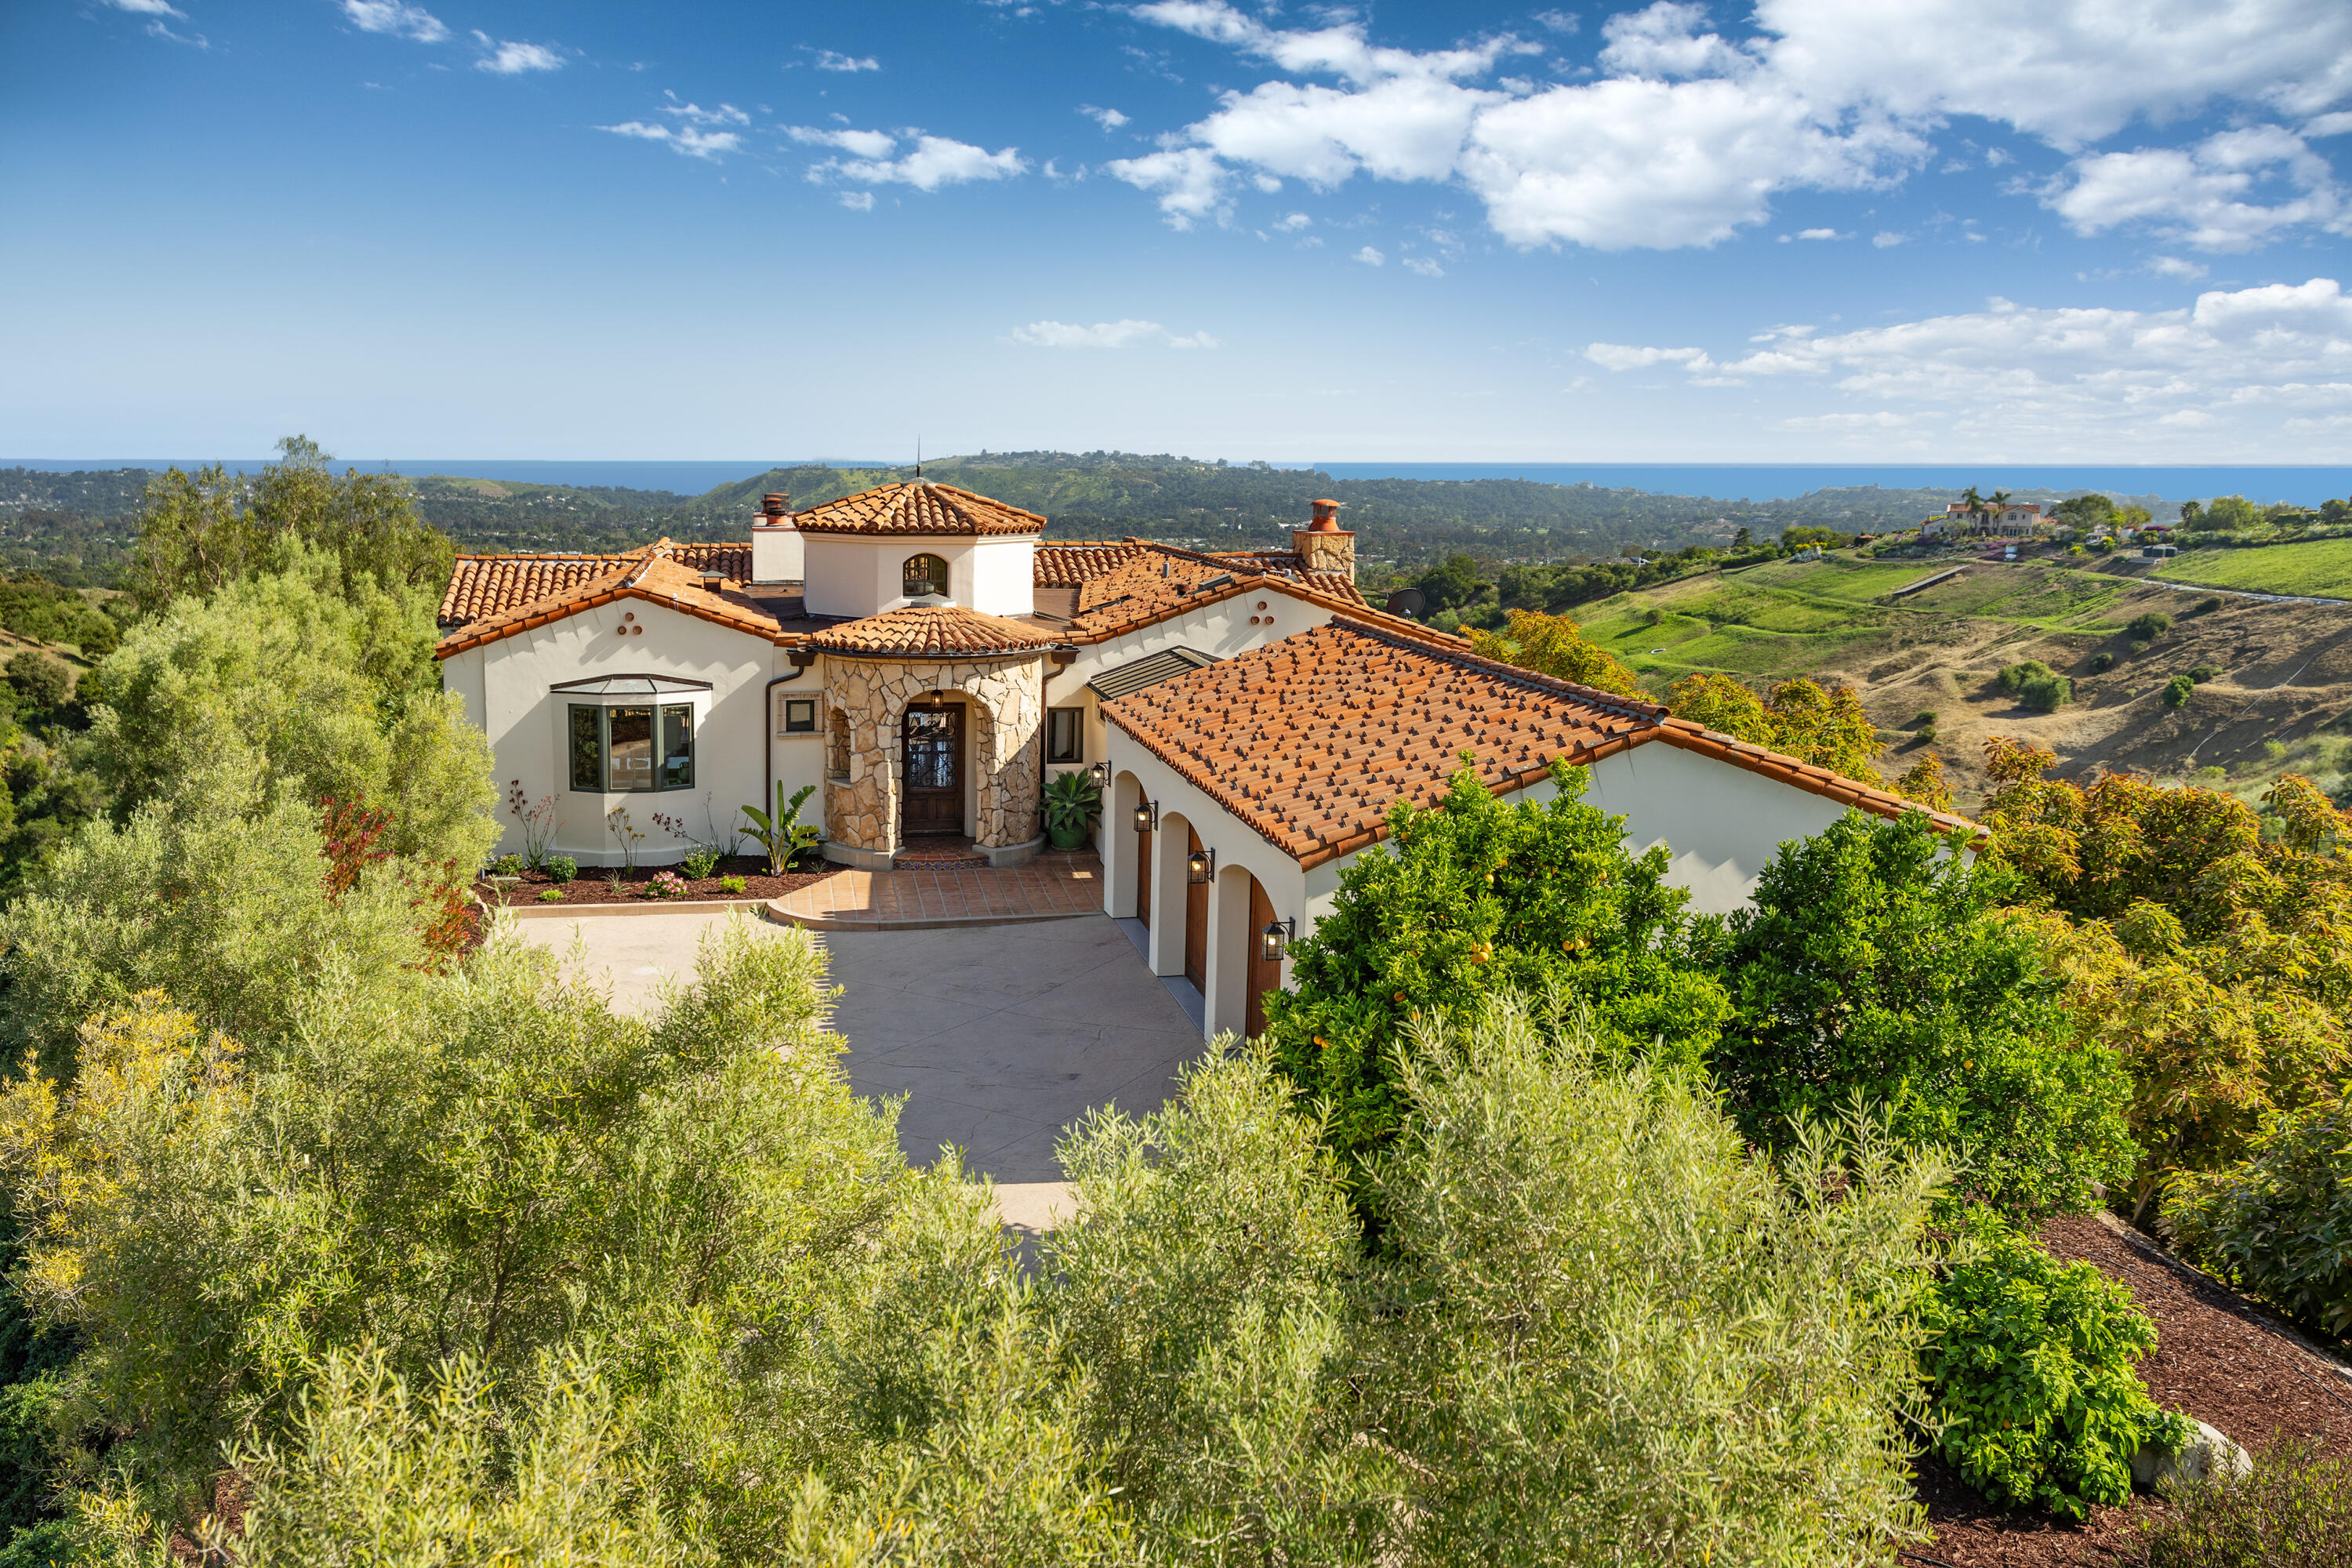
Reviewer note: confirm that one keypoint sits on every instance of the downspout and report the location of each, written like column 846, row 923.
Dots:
column 800, row 659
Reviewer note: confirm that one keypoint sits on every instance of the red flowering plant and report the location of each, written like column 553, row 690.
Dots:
column 353, row 836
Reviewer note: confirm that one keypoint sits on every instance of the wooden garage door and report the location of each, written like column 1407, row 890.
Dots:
column 1262, row 977
column 1144, row 841
column 1196, row 921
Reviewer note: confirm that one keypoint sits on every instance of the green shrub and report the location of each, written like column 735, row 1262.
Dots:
column 507, row 865
column 2279, row 1225
column 2033, row 1363
column 2176, row 690
column 2102, row 662
column 549, row 895
column 1469, row 899
column 2148, row 626
column 561, row 867
column 2292, row 1509
column 699, row 862
column 2012, row 678
column 2035, row 685
column 1877, row 963
column 316, row 693
column 1612, row 1333
column 2206, row 605
column 2201, row 673
column 1925, row 734
column 730, row 884
column 1924, row 716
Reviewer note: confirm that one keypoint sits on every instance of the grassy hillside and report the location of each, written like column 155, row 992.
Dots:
column 2273, row 682
column 2322, row 567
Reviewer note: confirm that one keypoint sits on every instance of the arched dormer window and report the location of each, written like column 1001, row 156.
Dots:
column 925, row 575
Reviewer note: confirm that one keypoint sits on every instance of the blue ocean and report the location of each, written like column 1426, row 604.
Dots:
column 2301, row 484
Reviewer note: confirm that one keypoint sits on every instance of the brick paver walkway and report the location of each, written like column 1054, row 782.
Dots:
column 1052, row 887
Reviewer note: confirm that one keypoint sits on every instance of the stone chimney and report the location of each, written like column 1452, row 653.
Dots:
column 775, row 542
column 1323, row 544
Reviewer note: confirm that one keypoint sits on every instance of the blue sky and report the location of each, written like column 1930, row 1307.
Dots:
column 1813, row 230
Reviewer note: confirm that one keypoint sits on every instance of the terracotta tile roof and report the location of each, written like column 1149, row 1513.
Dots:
column 650, row 574
column 1390, row 714
column 1068, row 565
column 918, row 507
column 484, row 585
column 931, row 631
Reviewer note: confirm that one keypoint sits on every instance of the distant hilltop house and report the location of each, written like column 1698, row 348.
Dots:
column 2010, row 519
column 923, row 659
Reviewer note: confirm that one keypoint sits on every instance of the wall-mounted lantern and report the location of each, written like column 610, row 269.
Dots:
column 1101, row 772
column 1147, row 816
column 1275, row 938
column 1200, row 866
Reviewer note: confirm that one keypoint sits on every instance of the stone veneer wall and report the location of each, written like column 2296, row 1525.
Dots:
column 1003, row 731
column 1326, row 551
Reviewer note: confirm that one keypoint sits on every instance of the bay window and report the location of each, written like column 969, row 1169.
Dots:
column 621, row 737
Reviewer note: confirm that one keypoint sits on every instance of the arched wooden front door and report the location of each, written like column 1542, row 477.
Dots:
column 932, row 800
column 1196, row 921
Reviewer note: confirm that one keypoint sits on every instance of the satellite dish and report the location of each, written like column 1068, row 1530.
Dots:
column 1408, row 602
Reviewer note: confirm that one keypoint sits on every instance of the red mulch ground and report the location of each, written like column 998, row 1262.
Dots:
column 2217, row 1357
column 592, row 887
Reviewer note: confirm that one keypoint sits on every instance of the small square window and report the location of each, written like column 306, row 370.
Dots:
column 800, row 715
column 1065, row 735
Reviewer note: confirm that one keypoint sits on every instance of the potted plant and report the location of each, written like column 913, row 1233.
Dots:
column 1072, row 802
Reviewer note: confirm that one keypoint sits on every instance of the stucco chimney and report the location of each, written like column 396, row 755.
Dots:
column 1323, row 545
column 775, row 542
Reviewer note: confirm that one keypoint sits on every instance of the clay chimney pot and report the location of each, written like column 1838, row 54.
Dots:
column 775, row 505
column 1326, row 516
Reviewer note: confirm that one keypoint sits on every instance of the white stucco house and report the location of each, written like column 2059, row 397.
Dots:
column 932, row 662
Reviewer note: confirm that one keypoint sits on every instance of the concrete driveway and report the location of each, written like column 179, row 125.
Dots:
column 1000, row 1037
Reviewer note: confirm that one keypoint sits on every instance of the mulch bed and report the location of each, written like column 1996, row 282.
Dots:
column 2218, row 1357
column 591, row 886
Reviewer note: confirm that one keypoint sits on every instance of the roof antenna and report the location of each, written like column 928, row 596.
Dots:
column 919, row 458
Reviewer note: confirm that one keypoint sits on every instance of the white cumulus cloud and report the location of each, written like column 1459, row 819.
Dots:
column 2207, row 195
column 827, row 61
column 683, row 139
column 1369, row 256
column 148, row 8
column 395, row 17
column 1684, row 136
column 1126, row 333
column 931, row 163
column 694, row 113
column 1427, row 266
column 2264, row 367
column 1109, row 119
column 857, row 201
column 508, row 58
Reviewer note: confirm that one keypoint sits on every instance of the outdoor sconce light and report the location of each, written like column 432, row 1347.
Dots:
column 1275, row 938
column 1200, row 866
column 1101, row 772
column 1147, row 816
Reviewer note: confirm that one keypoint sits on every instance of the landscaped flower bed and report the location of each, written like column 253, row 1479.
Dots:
column 594, row 886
